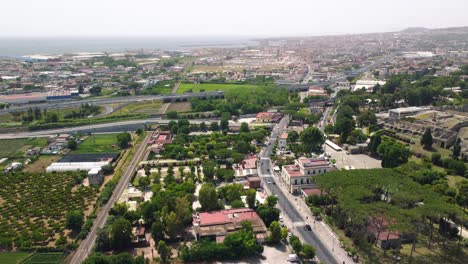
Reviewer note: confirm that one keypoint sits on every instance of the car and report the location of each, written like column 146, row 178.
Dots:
column 269, row 182
column 293, row 258
column 274, row 183
column 281, row 218
column 307, row 228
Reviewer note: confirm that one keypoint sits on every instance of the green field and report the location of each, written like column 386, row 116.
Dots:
column 145, row 107
column 45, row 258
column 16, row 147
column 12, row 257
column 98, row 144
column 207, row 87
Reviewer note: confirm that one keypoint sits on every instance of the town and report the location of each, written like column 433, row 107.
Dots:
column 333, row 149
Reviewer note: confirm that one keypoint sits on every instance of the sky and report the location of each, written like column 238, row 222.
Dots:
column 260, row 18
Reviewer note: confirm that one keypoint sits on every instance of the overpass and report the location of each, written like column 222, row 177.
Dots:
column 115, row 100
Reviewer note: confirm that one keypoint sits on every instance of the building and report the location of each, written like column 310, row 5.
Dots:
column 77, row 166
column 216, row 225
column 13, row 166
column 95, row 176
column 246, row 169
column 299, row 175
column 59, row 95
column 268, row 117
column 23, row 98
column 377, row 230
column 317, row 91
column 398, row 113
column 368, row 85
column 159, row 139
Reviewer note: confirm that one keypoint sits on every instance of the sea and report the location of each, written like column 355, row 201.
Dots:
column 14, row 47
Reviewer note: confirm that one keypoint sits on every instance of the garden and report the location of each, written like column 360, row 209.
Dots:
column 33, row 207
column 102, row 143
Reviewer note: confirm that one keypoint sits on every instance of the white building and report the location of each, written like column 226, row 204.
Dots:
column 367, row 84
column 299, row 175
column 76, row 166
column 398, row 113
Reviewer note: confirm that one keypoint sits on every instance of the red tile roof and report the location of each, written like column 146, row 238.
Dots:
column 225, row 217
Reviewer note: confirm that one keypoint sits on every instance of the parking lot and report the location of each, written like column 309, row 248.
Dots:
column 356, row 161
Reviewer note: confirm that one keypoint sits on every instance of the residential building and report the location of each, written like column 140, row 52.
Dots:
column 216, row 225
column 283, row 141
column 299, row 175
column 377, row 230
column 268, row 117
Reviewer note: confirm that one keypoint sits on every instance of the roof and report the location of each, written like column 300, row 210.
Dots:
column 250, row 163
column 284, row 135
column 293, row 170
column 317, row 162
column 311, row 191
column 226, row 216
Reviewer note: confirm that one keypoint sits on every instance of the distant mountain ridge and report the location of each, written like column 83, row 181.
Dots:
column 427, row 30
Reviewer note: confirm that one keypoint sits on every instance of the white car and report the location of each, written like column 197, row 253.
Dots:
column 269, row 182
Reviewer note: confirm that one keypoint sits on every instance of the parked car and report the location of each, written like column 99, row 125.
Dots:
column 307, row 228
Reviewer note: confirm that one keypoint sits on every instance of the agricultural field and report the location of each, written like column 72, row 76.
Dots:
column 15, row 148
column 33, row 206
column 207, row 87
column 12, row 257
column 104, row 143
column 163, row 87
column 180, row 107
column 41, row 163
column 145, row 107
column 45, row 258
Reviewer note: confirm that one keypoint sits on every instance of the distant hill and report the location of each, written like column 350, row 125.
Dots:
column 435, row 30
column 415, row 30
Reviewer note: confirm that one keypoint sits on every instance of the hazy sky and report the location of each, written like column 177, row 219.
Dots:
column 224, row 17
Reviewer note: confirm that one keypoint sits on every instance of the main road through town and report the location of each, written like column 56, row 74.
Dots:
column 86, row 246
column 266, row 170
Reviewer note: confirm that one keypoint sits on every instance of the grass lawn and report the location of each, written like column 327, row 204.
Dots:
column 12, row 257
column 41, row 163
column 454, row 179
column 207, row 87
column 16, row 147
column 145, row 107
column 105, row 143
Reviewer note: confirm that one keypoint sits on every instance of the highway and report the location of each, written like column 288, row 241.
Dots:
column 110, row 100
column 68, row 130
column 86, row 246
column 266, row 168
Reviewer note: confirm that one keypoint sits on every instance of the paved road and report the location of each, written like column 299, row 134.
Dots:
column 86, row 246
column 289, row 208
column 46, row 133
column 110, row 100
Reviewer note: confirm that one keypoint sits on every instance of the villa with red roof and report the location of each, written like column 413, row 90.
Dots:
column 216, row 225
column 268, row 117
column 299, row 175
column 378, row 230
column 159, row 139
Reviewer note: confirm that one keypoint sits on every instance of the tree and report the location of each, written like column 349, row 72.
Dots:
column 139, row 131
column 244, row 128
column 203, row 126
column 75, row 220
column 144, row 182
column 157, row 230
column 121, row 234
column 72, row 144
column 214, row 126
column 436, row 158
column 309, row 251
column 172, row 115
column 237, row 204
column 284, row 232
column 224, row 124
column 209, row 170
column 312, row 138
column 95, row 90
column 52, row 117
column 456, row 149
column 366, row 118
column 251, row 198
column 271, row 201
column 183, row 210
column 374, row 143
column 124, row 139
column 268, row 214
column 426, row 139
column 356, row 136
column 173, row 225
column 393, row 154
column 295, row 244
column 37, row 113
column 293, row 136
column 103, row 242
column 275, row 232
column 164, row 251
column 208, row 197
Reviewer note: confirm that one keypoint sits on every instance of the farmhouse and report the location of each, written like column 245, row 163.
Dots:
column 268, row 117
column 216, row 225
